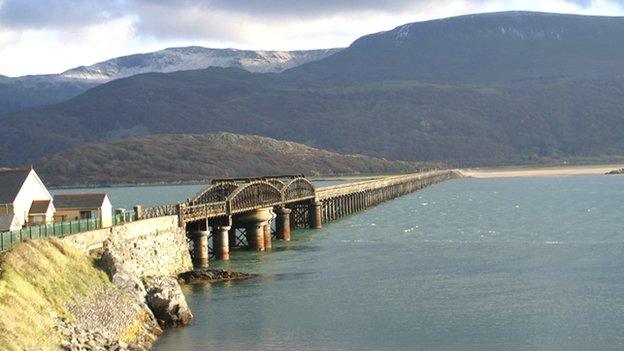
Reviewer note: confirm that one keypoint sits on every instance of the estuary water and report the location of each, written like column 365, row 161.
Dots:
column 470, row 264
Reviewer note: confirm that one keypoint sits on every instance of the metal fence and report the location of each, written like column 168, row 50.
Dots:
column 12, row 238
column 120, row 218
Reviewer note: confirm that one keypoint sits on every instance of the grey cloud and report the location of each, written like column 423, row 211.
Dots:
column 51, row 13
column 37, row 14
column 582, row 3
column 304, row 7
column 163, row 20
column 193, row 18
column 208, row 19
column 588, row 3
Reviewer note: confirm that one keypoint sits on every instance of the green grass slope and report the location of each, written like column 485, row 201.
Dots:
column 38, row 279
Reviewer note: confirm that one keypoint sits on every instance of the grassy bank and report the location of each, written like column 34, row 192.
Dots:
column 38, row 279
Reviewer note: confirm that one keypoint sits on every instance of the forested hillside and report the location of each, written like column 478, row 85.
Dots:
column 195, row 157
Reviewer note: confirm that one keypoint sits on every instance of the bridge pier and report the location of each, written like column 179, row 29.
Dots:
column 282, row 223
column 267, row 237
column 232, row 239
column 200, row 248
column 221, row 242
column 315, row 214
column 255, row 236
column 254, row 223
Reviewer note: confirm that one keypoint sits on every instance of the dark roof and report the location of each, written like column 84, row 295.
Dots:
column 39, row 207
column 79, row 200
column 11, row 181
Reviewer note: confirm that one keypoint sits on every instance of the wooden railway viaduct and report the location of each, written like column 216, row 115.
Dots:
column 251, row 212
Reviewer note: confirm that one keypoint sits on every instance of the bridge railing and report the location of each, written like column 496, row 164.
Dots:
column 344, row 189
column 159, row 211
column 194, row 212
column 12, row 238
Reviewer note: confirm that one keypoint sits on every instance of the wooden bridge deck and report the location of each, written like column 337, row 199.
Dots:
column 372, row 184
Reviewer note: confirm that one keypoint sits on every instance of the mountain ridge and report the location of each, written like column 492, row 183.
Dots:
column 38, row 90
column 489, row 48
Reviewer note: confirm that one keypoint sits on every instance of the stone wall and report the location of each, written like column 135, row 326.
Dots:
column 150, row 247
column 89, row 241
column 142, row 259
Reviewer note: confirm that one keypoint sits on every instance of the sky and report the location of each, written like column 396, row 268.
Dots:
column 51, row 36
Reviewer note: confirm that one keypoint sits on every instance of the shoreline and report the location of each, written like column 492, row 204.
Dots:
column 207, row 182
column 558, row 171
column 475, row 172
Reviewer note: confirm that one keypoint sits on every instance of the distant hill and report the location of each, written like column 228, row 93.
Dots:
column 194, row 157
column 479, row 49
column 473, row 90
column 36, row 90
column 196, row 57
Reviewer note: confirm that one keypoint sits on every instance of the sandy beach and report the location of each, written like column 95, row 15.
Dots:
column 539, row 171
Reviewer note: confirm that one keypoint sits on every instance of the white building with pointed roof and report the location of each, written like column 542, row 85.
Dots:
column 24, row 199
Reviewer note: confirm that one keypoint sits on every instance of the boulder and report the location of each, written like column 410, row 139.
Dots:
column 616, row 171
column 122, row 276
column 167, row 302
column 210, row 275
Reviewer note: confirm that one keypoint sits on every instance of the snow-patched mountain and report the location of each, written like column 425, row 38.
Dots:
column 196, row 57
column 35, row 90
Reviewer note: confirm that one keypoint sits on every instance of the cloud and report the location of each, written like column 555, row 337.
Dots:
column 212, row 19
column 306, row 8
column 38, row 14
column 43, row 36
column 185, row 18
column 7, row 38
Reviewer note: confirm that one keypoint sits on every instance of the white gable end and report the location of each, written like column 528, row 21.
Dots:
column 32, row 189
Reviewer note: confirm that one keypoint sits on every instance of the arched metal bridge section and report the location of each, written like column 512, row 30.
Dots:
column 298, row 189
column 233, row 196
column 253, row 195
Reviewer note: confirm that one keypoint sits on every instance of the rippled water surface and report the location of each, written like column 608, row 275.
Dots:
column 492, row 264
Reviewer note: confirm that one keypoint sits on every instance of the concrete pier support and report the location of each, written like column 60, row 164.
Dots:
column 282, row 223
column 254, row 223
column 200, row 248
column 315, row 214
column 255, row 237
column 233, row 241
column 267, row 237
column 221, row 242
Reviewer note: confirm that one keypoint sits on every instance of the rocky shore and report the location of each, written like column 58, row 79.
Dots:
column 616, row 171
column 210, row 275
column 147, row 304
column 110, row 289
